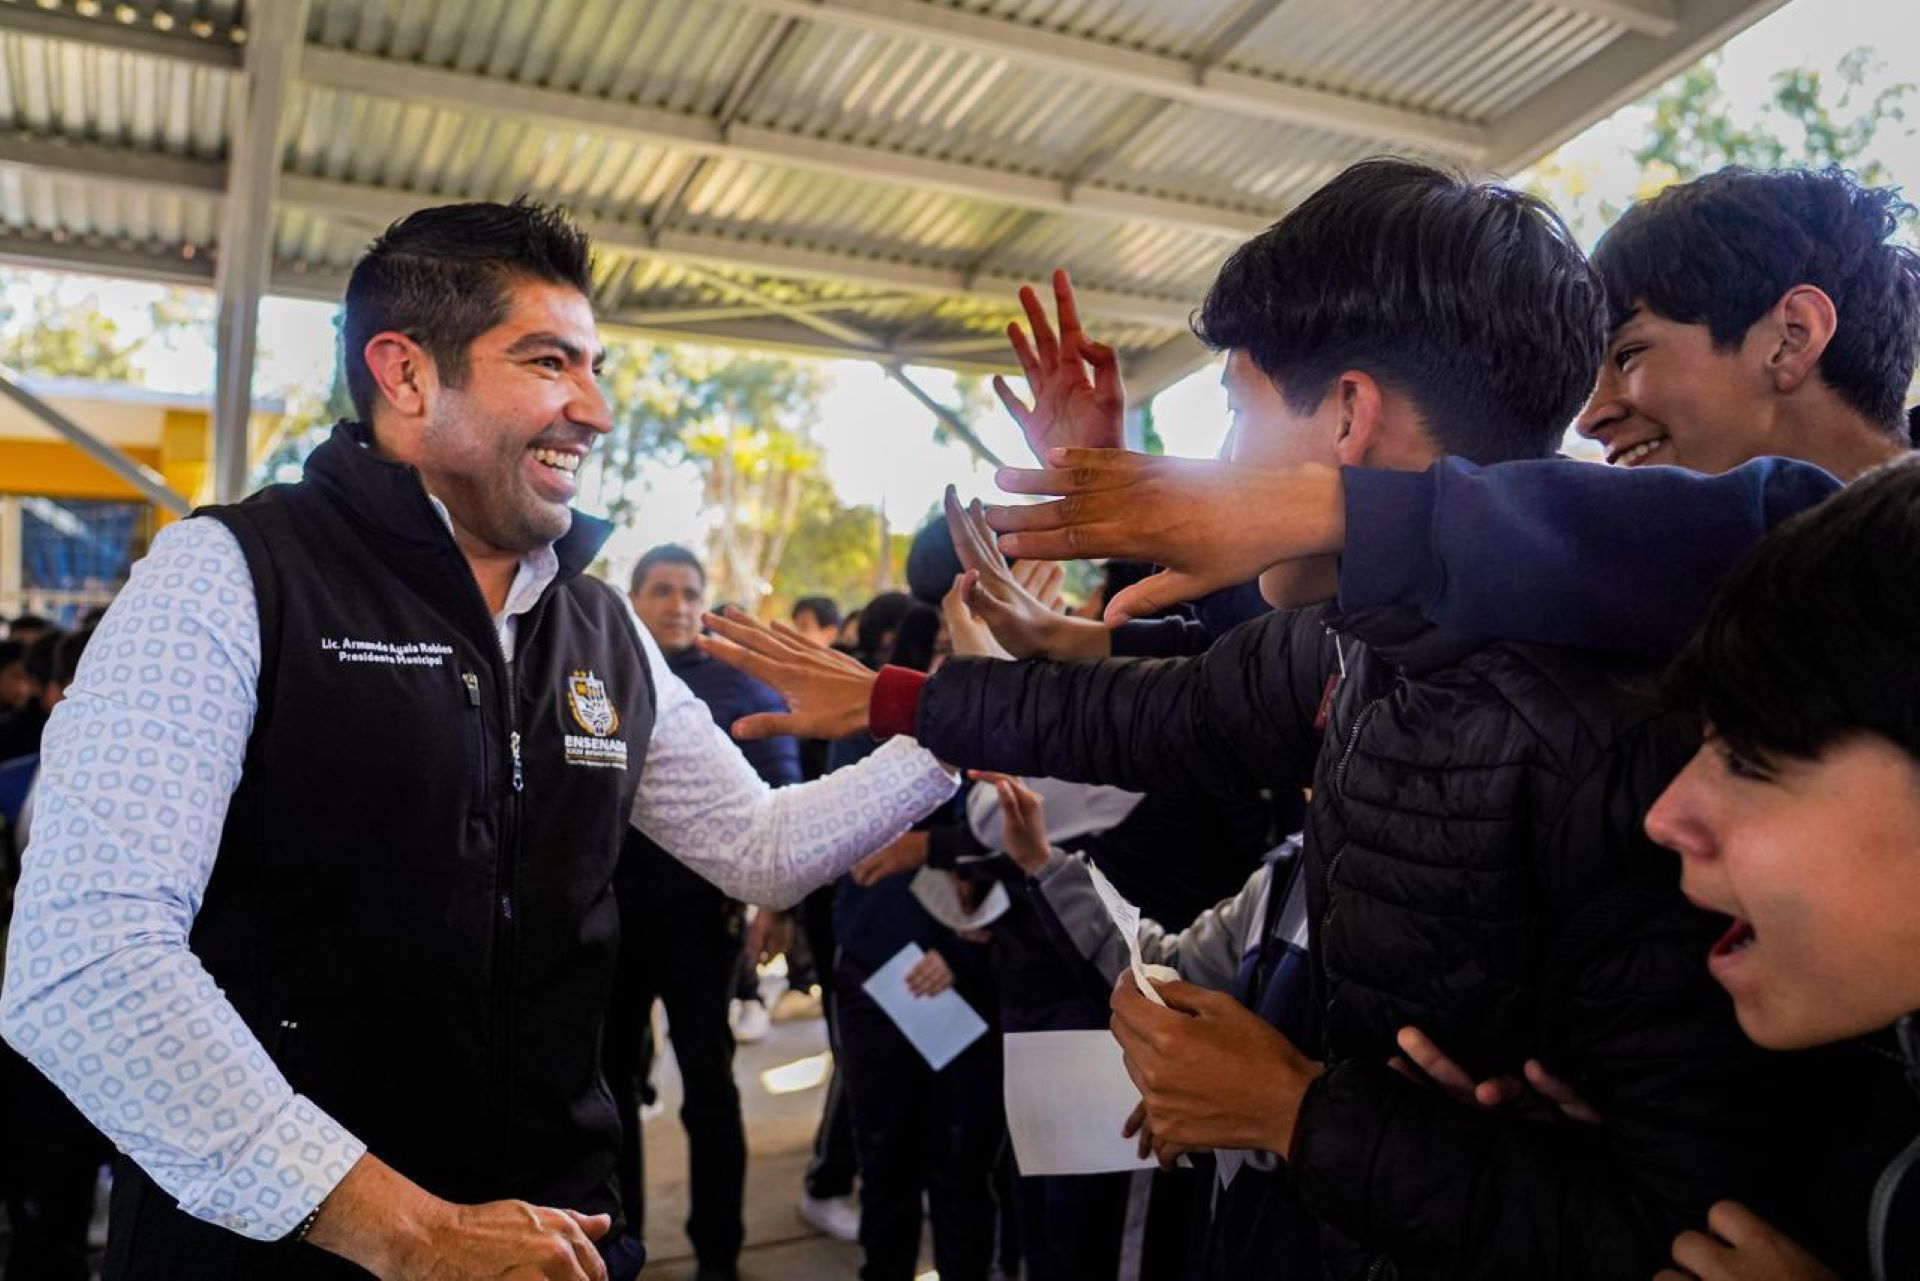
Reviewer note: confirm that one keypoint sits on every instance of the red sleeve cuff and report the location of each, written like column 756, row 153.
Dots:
column 896, row 697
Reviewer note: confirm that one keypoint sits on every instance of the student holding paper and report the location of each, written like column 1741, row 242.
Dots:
column 920, row 1130
column 1251, row 945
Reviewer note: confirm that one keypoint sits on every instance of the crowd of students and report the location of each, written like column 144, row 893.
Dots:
column 1474, row 1020
column 1537, row 843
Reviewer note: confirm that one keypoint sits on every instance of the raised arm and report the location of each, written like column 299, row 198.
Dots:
column 703, row 803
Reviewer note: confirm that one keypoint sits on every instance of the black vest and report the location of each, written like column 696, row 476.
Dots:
column 412, row 906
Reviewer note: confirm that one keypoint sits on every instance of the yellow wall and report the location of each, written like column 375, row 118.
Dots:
column 55, row 469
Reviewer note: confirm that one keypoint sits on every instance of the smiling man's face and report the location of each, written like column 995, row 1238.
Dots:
column 502, row 449
column 1668, row 398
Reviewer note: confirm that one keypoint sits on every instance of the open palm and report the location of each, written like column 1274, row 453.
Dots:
column 1078, row 398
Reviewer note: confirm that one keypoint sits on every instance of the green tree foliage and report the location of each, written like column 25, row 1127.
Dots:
column 56, row 335
column 744, row 422
column 1811, row 117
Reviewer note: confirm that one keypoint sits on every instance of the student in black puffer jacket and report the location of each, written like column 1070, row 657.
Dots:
column 1473, row 856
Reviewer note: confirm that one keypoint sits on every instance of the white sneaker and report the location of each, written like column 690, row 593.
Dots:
column 751, row 1022
column 838, row 1217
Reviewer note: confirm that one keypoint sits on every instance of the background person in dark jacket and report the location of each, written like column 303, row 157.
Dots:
column 1475, row 807
column 680, row 942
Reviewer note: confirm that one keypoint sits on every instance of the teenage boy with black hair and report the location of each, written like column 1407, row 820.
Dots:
column 1753, row 314
column 1472, row 861
column 1800, row 818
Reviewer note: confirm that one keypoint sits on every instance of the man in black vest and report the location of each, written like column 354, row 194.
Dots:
column 317, row 923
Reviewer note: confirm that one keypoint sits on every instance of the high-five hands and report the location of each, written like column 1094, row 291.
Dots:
column 827, row 692
column 1075, row 383
column 1212, row 524
column 1017, row 603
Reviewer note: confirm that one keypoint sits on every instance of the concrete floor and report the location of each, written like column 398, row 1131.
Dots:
column 780, row 1246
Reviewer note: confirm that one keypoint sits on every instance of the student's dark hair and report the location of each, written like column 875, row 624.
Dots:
column 1721, row 250
column 665, row 554
column 915, row 639
column 41, row 656
column 878, row 622
column 1470, row 298
column 29, row 622
column 1913, row 426
column 444, row 276
column 826, row 613
column 66, row 655
column 11, row 652
column 1812, row 638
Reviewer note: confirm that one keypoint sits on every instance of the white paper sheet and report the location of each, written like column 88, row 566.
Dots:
column 935, row 890
column 940, row 1027
column 1067, row 1096
column 1126, row 919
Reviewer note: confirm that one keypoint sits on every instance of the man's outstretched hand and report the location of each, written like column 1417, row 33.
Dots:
column 827, row 692
column 1075, row 384
column 1003, row 597
column 1212, row 524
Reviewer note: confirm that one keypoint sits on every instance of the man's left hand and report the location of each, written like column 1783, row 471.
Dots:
column 827, row 692
column 1741, row 1246
column 1211, row 1072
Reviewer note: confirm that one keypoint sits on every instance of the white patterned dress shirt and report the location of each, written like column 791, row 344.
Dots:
column 138, row 765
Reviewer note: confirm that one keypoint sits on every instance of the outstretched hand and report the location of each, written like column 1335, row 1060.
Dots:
column 827, row 692
column 1539, row 1091
column 1023, row 820
column 1075, row 383
column 1012, row 601
column 1739, row 1245
column 1212, row 524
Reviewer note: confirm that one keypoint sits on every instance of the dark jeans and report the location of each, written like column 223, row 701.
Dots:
column 919, row 1131
column 685, row 951
column 835, row 1159
column 52, row 1158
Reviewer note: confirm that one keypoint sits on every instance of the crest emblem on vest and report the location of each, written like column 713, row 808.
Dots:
column 592, row 710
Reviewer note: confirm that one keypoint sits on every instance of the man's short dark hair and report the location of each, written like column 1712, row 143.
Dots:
column 444, row 276
column 1812, row 637
column 665, row 554
column 41, row 657
column 1468, row 297
column 1721, row 250
column 66, row 656
column 826, row 613
column 29, row 623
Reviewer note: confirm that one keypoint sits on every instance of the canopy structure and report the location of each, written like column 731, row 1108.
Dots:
column 853, row 178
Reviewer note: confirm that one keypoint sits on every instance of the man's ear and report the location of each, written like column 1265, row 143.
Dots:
column 1802, row 324
column 1358, row 420
column 402, row 371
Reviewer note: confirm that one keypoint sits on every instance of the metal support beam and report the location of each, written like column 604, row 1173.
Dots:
column 199, row 43
column 1164, row 366
column 954, row 422
column 1631, row 66
column 143, row 478
column 459, row 91
column 246, row 229
column 1047, row 49
column 114, row 166
column 374, row 207
column 1656, row 18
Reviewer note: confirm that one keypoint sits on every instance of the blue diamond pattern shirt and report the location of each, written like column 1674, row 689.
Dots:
column 104, row 995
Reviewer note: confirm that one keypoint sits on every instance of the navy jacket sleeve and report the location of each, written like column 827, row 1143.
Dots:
column 1561, row 552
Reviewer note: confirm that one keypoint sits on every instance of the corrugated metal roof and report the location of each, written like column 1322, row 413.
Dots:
column 890, row 168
